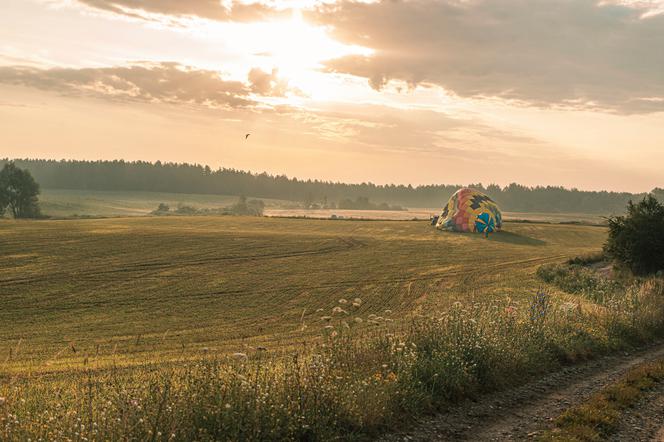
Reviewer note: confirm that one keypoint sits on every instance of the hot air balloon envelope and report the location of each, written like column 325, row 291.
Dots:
column 469, row 210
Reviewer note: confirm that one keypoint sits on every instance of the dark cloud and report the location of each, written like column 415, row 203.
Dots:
column 576, row 53
column 148, row 82
column 210, row 9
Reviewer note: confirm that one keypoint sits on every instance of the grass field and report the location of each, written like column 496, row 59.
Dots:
column 230, row 328
column 139, row 288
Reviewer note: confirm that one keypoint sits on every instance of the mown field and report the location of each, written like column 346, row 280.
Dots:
column 130, row 290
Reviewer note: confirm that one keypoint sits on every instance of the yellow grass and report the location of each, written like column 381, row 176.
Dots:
column 135, row 289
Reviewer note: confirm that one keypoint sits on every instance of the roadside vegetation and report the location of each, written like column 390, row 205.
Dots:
column 600, row 416
column 354, row 383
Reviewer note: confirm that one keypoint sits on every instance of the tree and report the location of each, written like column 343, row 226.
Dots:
column 18, row 191
column 637, row 239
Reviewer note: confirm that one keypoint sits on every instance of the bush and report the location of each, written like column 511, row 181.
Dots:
column 244, row 207
column 586, row 260
column 184, row 209
column 580, row 280
column 637, row 239
column 163, row 209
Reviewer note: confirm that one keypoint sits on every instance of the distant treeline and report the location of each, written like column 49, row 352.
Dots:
column 193, row 178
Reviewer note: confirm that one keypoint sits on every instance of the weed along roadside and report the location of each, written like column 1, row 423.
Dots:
column 349, row 385
column 601, row 416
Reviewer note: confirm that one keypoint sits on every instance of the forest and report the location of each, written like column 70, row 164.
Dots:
column 119, row 175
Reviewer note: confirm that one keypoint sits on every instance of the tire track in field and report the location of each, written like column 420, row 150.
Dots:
column 346, row 245
column 337, row 285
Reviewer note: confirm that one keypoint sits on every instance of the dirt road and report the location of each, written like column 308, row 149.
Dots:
column 523, row 412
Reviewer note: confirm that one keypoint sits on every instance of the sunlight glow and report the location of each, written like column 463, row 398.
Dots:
column 294, row 47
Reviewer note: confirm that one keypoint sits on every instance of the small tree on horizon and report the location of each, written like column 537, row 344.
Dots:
column 637, row 239
column 18, row 192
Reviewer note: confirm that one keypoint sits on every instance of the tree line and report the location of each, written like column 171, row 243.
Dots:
column 122, row 175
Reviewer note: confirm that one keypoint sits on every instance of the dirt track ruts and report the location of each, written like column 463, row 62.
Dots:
column 522, row 412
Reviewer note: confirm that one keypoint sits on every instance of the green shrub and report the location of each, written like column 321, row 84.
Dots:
column 589, row 259
column 637, row 239
column 580, row 280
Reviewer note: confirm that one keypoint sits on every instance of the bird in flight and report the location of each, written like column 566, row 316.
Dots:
column 246, row 136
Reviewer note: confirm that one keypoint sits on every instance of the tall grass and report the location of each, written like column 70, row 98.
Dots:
column 350, row 386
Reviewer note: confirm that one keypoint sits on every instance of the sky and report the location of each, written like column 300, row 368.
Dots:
column 538, row 92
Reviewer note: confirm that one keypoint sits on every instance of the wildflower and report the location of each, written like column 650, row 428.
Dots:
column 334, row 334
column 391, row 377
column 539, row 306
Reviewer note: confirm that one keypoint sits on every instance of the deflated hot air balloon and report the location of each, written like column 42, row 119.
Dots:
column 469, row 210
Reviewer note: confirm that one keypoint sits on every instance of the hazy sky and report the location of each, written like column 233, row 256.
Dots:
column 565, row 92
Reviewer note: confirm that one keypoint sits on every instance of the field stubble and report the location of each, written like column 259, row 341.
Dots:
column 164, row 286
column 224, row 328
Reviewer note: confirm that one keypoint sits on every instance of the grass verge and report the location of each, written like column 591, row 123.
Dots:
column 600, row 416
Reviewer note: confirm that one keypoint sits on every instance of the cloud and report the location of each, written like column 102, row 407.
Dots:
column 209, row 9
column 432, row 134
column 267, row 83
column 149, row 82
column 569, row 53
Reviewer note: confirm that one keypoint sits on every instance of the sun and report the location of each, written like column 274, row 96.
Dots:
column 296, row 48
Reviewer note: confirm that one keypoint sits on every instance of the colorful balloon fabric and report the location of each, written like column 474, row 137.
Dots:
column 469, row 210
column 485, row 224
